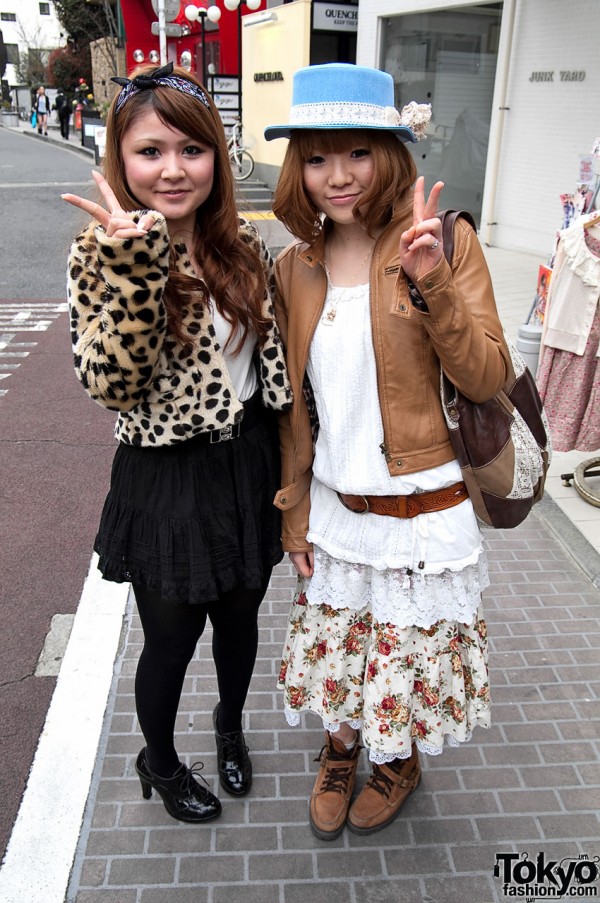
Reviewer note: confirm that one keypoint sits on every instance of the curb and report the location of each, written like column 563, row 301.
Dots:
column 570, row 537
column 50, row 139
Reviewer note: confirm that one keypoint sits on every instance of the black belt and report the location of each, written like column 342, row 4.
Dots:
column 253, row 414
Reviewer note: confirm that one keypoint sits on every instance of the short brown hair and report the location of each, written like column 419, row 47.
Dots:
column 394, row 174
column 232, row 270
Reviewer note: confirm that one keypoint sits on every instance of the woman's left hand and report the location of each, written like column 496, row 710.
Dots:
column 421, row 246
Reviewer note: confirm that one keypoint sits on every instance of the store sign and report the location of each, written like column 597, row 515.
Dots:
column 335, row 17
column 566, row 75
column 268, row 76
column 226, row 101
column 224, row 83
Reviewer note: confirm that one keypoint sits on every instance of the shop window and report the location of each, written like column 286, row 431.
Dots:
column 448, row 58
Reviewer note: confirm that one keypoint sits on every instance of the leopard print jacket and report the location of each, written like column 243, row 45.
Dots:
column 125, row 357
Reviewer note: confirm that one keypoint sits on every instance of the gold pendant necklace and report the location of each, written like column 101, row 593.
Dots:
column 330, row 315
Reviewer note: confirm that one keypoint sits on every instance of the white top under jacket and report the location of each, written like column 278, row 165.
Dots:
column 363, row 558
column 241, row 366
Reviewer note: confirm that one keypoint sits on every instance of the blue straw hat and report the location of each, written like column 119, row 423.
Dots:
column 343, row 96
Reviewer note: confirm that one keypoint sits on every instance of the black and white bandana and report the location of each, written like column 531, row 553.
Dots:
column 162, row 77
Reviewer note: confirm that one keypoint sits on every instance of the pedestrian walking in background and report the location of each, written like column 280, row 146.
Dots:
column 41, row 105
column 386, row 635
column 173, row 327
column 63, row 109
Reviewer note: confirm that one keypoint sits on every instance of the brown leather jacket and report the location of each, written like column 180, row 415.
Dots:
column 460, row 328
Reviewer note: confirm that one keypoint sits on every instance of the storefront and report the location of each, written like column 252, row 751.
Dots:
column 197, row 44
column 514, row 88
column 274, row 45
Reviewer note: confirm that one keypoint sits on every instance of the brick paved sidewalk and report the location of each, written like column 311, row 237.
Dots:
column 529, row 784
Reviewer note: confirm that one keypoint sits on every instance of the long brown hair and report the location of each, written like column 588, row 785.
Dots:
column 232, row 270
column 394, row 173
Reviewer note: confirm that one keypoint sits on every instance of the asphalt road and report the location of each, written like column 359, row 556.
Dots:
column 56, row 445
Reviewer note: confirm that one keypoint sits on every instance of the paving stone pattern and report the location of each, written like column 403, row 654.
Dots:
column 529, row 784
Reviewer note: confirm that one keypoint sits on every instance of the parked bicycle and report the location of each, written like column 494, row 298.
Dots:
column 242, row 162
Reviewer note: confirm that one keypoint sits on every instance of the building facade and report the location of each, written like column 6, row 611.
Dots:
column 28, row 26
column 297, row 34
column 514, row 88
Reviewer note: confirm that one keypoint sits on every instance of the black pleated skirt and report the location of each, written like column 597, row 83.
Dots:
column 195, row 520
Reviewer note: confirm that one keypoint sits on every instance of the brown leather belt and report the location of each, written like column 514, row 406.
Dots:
column 406, row 505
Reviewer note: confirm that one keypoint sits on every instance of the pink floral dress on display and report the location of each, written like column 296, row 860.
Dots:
column 569, row 380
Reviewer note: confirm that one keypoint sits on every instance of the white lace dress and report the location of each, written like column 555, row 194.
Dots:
column 387, row 633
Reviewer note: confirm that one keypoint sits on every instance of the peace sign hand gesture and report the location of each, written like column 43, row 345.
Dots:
column 421, row 246
column 116, row 221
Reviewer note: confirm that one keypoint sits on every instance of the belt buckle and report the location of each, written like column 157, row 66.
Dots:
column 225, row 434
column 354, row 511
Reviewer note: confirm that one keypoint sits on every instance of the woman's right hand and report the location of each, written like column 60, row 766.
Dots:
column 304, row 562
column 421, row 247
column 115, row 221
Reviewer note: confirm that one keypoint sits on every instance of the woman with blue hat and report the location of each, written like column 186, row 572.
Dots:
column 386, row 635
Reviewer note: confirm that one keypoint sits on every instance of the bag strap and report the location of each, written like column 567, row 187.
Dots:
column 448, row 218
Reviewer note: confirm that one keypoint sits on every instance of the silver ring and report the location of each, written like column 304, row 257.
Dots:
column 434, row 245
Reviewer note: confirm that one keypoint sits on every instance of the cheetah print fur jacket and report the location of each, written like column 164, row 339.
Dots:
column 124, row 356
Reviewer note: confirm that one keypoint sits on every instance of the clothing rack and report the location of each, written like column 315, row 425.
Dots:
column 586, row 469
column 585, row 200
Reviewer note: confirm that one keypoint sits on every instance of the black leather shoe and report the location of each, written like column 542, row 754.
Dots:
column 184, row 798
column 233, row 761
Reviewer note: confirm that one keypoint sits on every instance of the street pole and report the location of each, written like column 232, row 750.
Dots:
column 192, row 14
column 202, row 13
column 239, row 13
column 162, row 33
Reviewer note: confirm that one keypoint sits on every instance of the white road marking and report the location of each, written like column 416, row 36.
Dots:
column 24, row 316
column 42, row 847
column 44, row 184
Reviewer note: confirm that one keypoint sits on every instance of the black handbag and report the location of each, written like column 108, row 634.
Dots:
column 502, row 445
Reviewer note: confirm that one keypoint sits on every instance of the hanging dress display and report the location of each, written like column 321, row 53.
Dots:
column 568, row 375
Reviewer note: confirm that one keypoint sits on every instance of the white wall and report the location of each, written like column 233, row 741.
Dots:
column 282, row 46
column 30, row 28
column 548, row 125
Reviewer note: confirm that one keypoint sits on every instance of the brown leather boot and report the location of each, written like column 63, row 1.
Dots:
column 330, row 799
column 381, row 799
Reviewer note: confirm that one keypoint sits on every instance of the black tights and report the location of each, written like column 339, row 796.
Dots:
column 171, row 632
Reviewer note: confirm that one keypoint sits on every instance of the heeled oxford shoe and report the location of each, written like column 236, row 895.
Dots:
column 184, row 798
column 233, row 761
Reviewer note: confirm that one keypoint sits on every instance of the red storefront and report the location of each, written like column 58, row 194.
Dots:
column 221, row 38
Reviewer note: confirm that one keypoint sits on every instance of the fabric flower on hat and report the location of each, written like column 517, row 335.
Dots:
column 392, row 116
column 416, row 116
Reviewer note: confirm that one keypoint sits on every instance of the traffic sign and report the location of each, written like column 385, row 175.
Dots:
column 172, row 29
column 172, row 8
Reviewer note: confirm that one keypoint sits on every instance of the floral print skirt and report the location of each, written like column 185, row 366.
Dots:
column 398, row 684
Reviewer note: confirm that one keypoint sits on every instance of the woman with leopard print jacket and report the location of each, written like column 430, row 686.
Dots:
column 173, row 327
